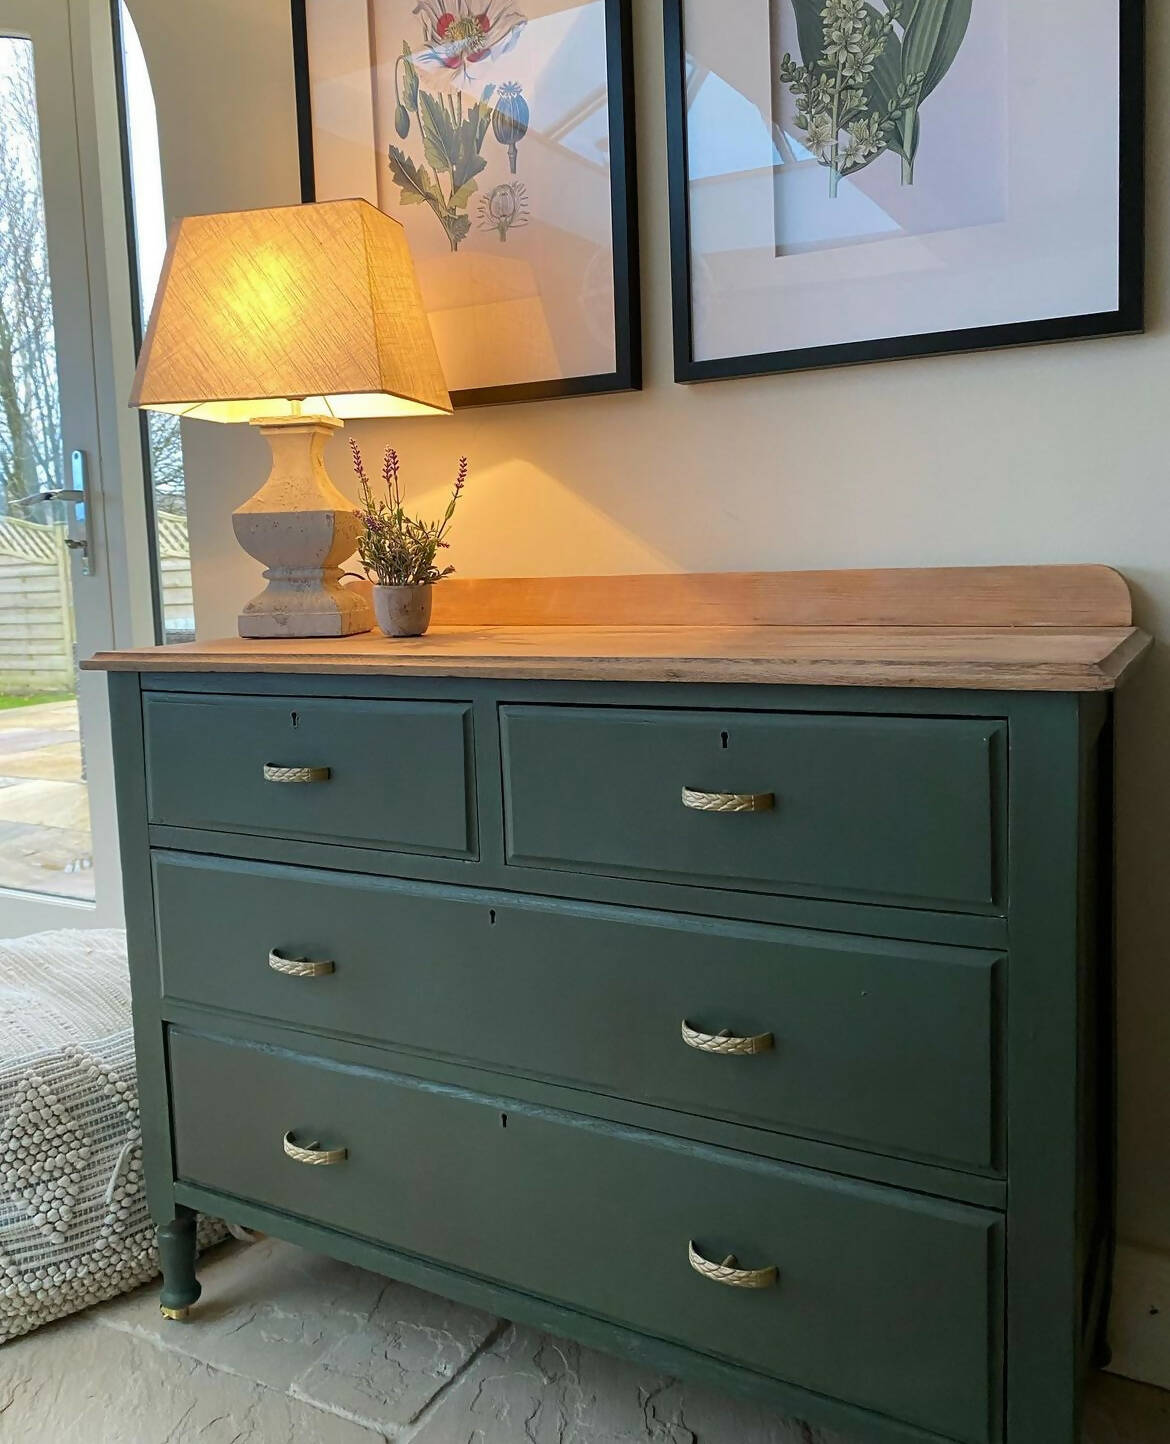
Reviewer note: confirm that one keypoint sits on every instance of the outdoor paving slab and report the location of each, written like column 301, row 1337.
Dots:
column 61, row 714
column 18, row 740
column 53, row 761
column 45, row 840
column 46, row 860
column 49, row 804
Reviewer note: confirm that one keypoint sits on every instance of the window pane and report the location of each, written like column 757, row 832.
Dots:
column 45, row 843
column 165, row 447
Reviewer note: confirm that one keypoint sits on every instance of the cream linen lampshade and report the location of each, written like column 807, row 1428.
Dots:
column 292, row 319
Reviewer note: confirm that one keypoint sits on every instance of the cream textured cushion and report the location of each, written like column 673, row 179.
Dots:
column 74, row 1227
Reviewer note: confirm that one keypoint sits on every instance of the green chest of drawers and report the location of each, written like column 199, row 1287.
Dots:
column 759, row 1030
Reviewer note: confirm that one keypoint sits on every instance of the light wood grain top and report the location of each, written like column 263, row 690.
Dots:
column 1046, row 629
column 1047, row 659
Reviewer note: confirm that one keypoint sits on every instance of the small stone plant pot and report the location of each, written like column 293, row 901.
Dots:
column 403, row 611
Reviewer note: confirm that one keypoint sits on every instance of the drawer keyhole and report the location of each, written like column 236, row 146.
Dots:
column 723, row 739
column 296, row 722
column 491, row 917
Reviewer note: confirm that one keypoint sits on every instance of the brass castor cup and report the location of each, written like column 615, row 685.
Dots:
column 179, row 1315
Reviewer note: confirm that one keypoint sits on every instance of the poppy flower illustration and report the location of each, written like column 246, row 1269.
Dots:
column 458, row 33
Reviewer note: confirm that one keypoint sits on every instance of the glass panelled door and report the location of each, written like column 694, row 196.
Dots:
column 57, row 830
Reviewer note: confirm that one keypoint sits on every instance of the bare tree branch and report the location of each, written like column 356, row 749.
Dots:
column 30, row 405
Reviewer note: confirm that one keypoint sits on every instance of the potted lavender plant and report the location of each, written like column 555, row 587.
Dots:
column 399, row 551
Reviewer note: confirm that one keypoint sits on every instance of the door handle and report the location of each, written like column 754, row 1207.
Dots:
column 50, row 493
column 82, row 512
column 80, row 538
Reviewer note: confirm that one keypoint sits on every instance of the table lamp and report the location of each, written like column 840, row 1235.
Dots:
column 292, row 319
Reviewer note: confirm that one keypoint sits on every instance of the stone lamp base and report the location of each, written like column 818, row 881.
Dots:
column 302, row 528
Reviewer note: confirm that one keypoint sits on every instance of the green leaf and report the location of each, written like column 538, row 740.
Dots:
column 410, row 79
column 932, row 35
column 934, row 32
column 452, row 140
column 417, row 184
column 461, row 197
column 483, row 114
column 469, row 162
column 469, row 167
column 810, row 30
column 440, row 138
column 458, row 227
column 887, row 68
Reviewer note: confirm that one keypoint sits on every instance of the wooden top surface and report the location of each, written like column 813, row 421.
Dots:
column 1049, row 629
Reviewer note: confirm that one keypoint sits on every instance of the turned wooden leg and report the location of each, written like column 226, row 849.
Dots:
column 176, row 1246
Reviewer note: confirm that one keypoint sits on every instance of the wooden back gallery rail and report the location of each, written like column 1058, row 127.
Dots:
column 1025, row 628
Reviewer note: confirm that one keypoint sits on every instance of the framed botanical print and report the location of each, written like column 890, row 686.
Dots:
column 857, row 180
column 500, row 133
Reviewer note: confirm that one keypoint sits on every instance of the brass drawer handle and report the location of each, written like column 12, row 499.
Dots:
column 274, row 773
column 729, row 1273
column 728, row 801
column 726, row 1041
column 313, row 1154
column 299, row 967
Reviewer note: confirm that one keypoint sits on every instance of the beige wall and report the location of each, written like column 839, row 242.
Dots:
column 1049, row 454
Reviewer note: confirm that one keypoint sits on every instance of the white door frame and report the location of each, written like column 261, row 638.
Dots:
column 89, row 267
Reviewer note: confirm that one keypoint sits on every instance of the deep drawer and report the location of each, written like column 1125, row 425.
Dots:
column 894, row 808
column 890, row 1046
column 886, row 1299
column 396, row 774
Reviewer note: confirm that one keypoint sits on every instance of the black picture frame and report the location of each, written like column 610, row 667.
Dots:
column 627, row 374
column 1127, row 319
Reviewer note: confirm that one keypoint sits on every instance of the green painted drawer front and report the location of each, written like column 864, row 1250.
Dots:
column 898, row 808
column 400, row 773
column 884, row 1045
column 885, row 1299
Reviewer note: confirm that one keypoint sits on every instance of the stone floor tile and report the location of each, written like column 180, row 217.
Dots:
column 74, row 1383
column 529, row 1388
column 268, row 1312
column 388, row 1370
column 1120, row 1412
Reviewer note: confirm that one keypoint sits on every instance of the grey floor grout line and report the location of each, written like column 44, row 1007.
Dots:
column 431, row 1407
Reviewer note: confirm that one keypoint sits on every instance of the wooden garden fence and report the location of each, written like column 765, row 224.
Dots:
column 37, row 638
column 174, row 565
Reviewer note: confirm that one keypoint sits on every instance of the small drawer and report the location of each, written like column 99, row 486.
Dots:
column 897, row 809
column 885, row 1299
column 887, row 1046
column 387, row 774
